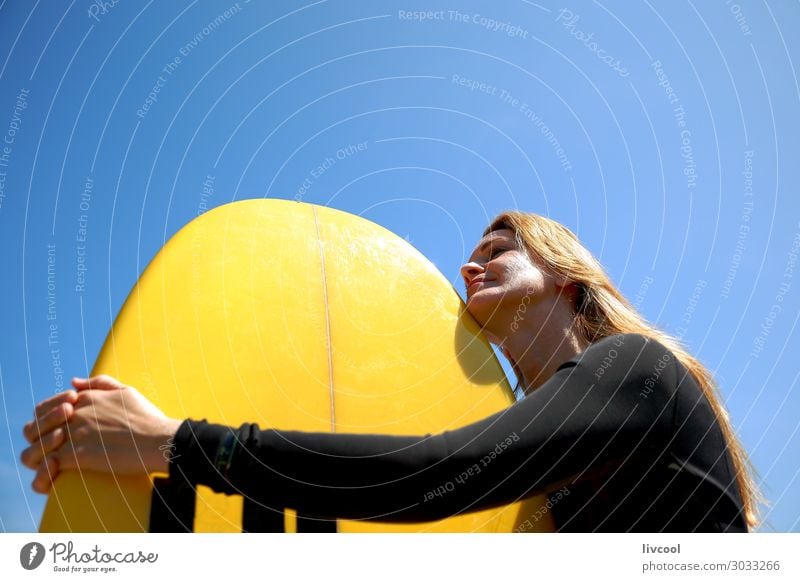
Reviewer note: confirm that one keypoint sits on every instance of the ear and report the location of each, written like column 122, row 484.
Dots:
column 562, row 281
column 567, row 287
column 576, row 294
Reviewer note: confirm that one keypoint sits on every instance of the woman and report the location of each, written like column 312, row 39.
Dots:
column 615, row 411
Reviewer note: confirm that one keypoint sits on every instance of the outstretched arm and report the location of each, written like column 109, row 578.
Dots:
column 614, row 400
column 584, row 416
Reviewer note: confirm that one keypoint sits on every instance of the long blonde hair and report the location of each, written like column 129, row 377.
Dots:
column 602, row 311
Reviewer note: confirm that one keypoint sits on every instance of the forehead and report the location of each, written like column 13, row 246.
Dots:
column 494, row 238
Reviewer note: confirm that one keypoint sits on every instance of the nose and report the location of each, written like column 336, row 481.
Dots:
column 469, row 271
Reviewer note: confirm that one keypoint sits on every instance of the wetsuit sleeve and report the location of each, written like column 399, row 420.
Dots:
column 613, row 401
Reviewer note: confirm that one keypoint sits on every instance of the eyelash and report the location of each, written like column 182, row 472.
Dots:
column 496, row 252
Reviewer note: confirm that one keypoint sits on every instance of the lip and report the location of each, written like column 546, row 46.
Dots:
column 474, row 282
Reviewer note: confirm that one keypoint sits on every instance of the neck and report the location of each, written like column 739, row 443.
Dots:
column 538, row 351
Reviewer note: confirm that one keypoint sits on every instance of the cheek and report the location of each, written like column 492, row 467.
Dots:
column 520, row 274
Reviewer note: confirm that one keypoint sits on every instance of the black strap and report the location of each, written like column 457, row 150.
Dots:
column 258, row 518
column 307, row 524
column 172, row 506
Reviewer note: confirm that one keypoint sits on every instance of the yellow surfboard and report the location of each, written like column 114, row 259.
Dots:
column 297, row 317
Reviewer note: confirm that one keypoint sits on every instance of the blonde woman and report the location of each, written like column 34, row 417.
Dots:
column 617, row 417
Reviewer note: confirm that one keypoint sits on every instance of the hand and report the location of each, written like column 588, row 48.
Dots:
column 113, row 428
column 46, row 432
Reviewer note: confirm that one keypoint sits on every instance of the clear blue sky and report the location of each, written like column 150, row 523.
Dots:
column 665, row 134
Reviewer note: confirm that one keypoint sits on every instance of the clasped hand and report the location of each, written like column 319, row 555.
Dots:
column 102, row 425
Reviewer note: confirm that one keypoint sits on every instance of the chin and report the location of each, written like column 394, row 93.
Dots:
column 482, row 311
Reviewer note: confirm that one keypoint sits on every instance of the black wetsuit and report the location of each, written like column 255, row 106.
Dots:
column 622, row 431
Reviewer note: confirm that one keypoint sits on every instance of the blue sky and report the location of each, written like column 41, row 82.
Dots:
column 664, row 134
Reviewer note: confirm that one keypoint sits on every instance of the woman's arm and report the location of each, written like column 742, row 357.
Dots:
column 616, row 400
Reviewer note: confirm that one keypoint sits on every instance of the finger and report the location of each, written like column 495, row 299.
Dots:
column 47, row 405
column 52, row 419
column 45, row 475
column 33, row 455
column 100, row 382
column 70, row 456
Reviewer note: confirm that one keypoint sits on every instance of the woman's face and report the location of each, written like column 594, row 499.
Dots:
column 502, row 281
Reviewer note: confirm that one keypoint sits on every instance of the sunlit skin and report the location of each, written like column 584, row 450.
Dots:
column 104, row 425
column 523, row 307
column 111, row 427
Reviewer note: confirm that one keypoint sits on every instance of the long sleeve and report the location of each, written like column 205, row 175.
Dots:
column 615, row 400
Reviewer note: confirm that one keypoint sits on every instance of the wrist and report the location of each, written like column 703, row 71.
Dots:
column 162, row 446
